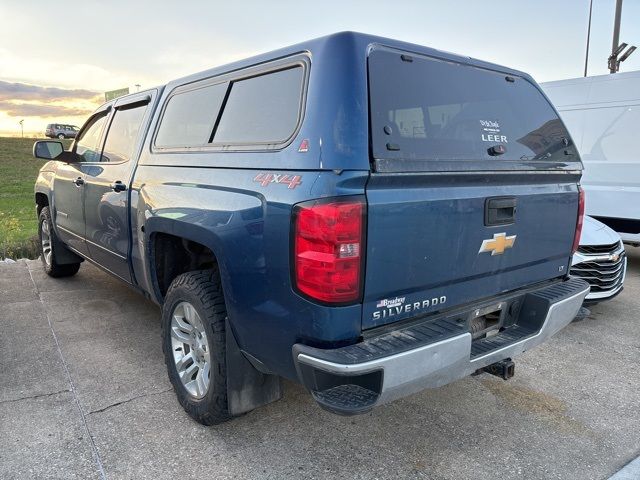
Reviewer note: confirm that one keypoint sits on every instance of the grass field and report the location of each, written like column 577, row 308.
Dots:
column 18, row 223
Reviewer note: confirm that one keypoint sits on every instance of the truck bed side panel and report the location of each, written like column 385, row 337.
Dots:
column 246, row 226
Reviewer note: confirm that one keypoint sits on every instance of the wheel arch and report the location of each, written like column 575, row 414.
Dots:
column 174, row 247
column 42, row 200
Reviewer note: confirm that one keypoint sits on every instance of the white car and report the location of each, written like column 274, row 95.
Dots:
column 600, row 261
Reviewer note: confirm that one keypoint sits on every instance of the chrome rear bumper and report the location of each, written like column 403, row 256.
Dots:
column 344, row 384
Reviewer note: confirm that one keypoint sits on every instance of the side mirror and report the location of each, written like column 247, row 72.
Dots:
column 47, row 149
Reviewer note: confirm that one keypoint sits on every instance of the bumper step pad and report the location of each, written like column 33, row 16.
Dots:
column 508, row 336
column 351, row 398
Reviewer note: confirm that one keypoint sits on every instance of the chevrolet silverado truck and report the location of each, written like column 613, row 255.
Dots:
column 364, row 216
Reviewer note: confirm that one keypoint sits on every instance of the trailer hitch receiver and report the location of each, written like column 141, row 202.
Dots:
column 504, row 369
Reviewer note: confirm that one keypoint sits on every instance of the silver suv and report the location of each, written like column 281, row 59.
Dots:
column 61, row 131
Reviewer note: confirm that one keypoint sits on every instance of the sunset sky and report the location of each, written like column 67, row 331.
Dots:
column 58, row 58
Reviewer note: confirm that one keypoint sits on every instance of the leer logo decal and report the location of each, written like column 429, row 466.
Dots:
column 498, row 244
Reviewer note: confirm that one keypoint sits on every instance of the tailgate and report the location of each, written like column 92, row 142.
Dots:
column 473, row 190
column 425, row 235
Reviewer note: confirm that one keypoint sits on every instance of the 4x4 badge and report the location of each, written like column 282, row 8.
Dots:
column 265, row 179
column 498, row 244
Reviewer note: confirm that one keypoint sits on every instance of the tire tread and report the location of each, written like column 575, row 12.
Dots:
column 206, row 286
column 55, row 270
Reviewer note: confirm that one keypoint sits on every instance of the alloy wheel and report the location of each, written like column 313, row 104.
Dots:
column 45, row 240
column 190, row 349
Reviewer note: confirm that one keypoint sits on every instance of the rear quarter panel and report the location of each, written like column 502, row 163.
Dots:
column 247, row 226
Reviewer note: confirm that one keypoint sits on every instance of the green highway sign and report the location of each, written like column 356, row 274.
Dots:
column 115, row 94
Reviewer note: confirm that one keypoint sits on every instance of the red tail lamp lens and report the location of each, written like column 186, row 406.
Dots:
column 328, row 242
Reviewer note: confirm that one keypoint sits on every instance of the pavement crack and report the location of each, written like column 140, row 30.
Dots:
column 30, row 397
column 100, row 410
column 94, row 449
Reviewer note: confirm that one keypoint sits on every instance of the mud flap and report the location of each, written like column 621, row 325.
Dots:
column 64, row 256
column 247, row 388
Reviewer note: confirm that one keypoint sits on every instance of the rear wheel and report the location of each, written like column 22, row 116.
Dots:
column 48, row 250
column 193, row 341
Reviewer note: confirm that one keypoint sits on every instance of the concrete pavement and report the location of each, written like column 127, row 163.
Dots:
column 84, row 394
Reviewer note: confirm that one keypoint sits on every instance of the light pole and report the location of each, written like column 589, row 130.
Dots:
column 137, row 85
column 586, row 56
column 613, row 62
column 21, row 122
column 616, row 27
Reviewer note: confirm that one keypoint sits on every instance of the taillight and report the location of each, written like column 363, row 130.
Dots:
column 328, row 242
column 576, row 238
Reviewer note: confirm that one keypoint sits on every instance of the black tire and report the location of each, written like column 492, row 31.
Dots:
column 49, row 262
column 61, row 136
column 203, row 290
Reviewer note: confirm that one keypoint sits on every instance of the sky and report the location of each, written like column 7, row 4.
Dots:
column 58, row 59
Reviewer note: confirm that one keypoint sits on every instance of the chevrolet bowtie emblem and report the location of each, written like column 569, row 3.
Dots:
column 498, row 244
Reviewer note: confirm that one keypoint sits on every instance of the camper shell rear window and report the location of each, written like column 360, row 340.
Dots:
column 428, row 109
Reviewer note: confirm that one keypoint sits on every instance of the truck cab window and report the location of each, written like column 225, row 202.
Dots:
column 122, row 134
column 88, row 145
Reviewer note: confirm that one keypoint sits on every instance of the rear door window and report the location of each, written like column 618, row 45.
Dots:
column 423, row 108
column 123, row 134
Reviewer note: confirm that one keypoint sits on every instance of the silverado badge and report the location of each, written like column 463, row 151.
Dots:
column 498, row 244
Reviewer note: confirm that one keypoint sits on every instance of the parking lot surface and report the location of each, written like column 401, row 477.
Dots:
column 84, row 394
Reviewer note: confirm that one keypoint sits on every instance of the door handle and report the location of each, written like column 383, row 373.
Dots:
column 118, row 186
column 499, row 211
column 78, row 181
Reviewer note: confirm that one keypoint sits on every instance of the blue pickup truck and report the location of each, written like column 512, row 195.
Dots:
column 364, row 216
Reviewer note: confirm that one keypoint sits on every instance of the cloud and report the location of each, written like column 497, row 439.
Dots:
column 27, row 92
column 41, row 110
column 30, row 66
column 26, row 100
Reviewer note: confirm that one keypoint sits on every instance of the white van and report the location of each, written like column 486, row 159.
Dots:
column 602, row 114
